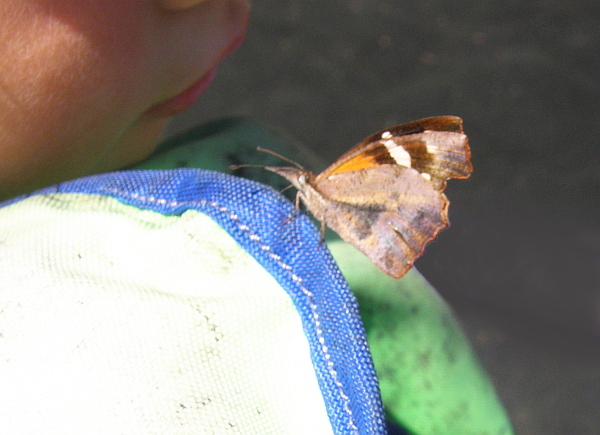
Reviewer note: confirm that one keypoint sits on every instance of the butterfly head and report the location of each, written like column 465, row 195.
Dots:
column 299, row 178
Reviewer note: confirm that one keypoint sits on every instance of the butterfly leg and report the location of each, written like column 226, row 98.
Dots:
column 297, row 209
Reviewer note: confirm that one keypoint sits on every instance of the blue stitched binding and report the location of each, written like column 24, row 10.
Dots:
column 254, row 216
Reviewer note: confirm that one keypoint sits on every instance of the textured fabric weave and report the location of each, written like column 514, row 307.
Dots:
column 175, row 302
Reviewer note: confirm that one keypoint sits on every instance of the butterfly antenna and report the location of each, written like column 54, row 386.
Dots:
column 285, row 159
column 236, row 167
column 286, row 188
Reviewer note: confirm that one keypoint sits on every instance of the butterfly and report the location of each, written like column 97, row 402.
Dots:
column 385, row 195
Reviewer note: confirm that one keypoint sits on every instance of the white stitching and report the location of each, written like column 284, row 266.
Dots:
column 253, row 237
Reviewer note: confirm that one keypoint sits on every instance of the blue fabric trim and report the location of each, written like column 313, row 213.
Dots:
column 254, row 215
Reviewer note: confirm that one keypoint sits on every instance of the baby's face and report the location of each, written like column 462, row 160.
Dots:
column 88, row 85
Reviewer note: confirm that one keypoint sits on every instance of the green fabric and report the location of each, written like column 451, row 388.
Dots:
column 430, row 379
column 220, row 144
column 116, row 320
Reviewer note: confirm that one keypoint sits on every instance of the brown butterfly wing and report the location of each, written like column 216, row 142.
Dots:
column 384, row 196
column 435, row 146
column 389, row 214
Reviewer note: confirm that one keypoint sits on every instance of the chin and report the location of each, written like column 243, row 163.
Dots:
column 135, row 146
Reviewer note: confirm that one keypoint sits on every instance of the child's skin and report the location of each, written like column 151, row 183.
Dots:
column 88, row 86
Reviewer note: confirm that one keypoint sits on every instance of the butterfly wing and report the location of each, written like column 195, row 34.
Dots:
column 436, row 147
column 389, row 214
column 384, row 196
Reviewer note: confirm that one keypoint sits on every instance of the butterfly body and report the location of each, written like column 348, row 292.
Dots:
column 385, row 195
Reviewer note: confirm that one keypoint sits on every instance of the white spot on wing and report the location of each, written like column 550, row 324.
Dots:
column 386, row 135
column 398, row 153
column 426, row 176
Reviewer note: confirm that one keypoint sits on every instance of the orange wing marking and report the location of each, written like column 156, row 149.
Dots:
column 356, row 163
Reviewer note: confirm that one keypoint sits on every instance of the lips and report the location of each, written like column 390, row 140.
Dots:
column 184, row 100
column 188, row 97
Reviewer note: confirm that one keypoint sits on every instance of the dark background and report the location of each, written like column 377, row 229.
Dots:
column 521, row 263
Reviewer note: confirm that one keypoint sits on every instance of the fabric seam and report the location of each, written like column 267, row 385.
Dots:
column 296, row 278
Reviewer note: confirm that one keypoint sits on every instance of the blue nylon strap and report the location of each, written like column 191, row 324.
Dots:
column 291, row 252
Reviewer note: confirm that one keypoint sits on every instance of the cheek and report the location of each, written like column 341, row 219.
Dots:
column 68, row 55
column 68, row 95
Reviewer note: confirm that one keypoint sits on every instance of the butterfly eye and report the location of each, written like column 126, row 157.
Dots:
column 302, row 179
